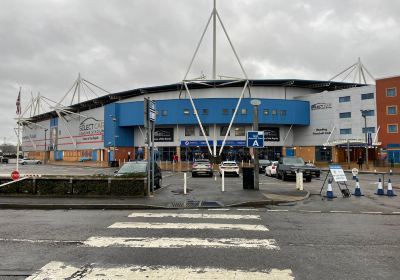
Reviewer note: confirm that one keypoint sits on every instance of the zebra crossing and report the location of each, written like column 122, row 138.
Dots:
column 131, row 238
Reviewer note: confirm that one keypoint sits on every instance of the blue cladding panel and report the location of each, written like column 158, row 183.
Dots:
column 111, row 128
column 131, row 114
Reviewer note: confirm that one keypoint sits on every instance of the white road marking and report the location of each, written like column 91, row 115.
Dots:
column 178, row 242
column 395, row 212
column 219, row 209
column 194, row 216
column 189, row 226
column 371, row 212
column 277, row 210
column 38, row 240
column 339, row 211
column 60, row 270
column 311, row 211
column 247, row 209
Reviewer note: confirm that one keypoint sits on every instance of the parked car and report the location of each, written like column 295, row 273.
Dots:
column 287, row 168
column 315, row 171
column 270, row 170
column 229, row 167
column 25, row 161
column 262, row 163
column 202, row 167
column 140, row 169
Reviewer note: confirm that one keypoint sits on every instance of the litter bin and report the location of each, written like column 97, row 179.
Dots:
column 248, row 178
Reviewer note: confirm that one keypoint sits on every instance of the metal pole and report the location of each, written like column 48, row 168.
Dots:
column 366, row 138
column 184, row 183
column 348, row 153
column 256, row 163
column 153, row 158
column 214, row 42
column 223, row 181
column 45, row 146
column 148, row 150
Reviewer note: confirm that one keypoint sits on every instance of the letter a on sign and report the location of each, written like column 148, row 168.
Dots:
column 255, row 143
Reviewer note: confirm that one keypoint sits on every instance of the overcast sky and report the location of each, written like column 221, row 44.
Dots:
column 124, row 44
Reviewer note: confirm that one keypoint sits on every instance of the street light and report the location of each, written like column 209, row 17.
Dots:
column 255, row 103
column 114, row 119
column 364, row 115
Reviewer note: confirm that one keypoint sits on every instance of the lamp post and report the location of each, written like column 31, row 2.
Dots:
column 45, row 145
column 255, row 103
column 364, row 115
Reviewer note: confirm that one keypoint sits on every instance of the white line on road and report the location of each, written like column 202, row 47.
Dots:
column 194, row 216
column 277, row 210
column 180, row 242
column 219, row 209
column 371, row 212
column 339, row 211
column 189, row 226
column 246, row 209
column 311, row 211
column 395, row 212
column 38, row 240
column 60, row 270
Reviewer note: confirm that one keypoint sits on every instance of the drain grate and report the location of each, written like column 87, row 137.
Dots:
column 185, row 204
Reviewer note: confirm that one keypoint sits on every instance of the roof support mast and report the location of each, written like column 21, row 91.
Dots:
column 214, row 13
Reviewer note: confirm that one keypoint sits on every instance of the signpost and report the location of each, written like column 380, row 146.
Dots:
column 336, row 171
column 149, row 122
column 255, row 139
column 15, row 175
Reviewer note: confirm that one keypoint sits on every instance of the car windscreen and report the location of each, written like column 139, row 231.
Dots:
column 133, row 168
column 202, row 161
column 293, row 161
column 229, row 164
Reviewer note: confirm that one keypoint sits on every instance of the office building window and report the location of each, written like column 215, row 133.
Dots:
column 186, row 111
column 365, row 96
column 282, row 113
column 369, row 129
column 344, row 99
column 243, row 111
column 273, row 112
column 225, row 112
column 240, row 131
column 345, row 131
column 391, row 110
column 223, row 131
column 345, row 115
column 189, row 131
column 164, row 112
column 204, row 111
column 369, row 113
column 266, row 112
column 391, row 92
column 206, row 130
column 392, row 128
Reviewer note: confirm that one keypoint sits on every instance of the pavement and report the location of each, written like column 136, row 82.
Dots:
column 202, row 192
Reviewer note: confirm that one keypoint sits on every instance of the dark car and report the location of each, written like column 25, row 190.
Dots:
column 315, row 171
column 262, row 163
column 202, row 167
column 140, row 169
column 287, row 167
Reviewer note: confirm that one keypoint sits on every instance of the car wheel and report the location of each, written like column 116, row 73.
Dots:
column 211, row 175
column 193, row 174
column 308, row 179
column 278, row 175
column 318, row 175
column 284, row 177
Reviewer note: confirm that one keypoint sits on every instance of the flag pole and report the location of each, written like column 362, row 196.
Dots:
column 19, row 118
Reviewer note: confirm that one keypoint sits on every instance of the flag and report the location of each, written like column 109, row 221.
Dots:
column 18, row 103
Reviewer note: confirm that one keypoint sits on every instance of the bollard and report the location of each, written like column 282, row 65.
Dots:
column 380, row 190
column 223, row 181
column 329, row 191
column 299, row 180
column 184, row 183
column 390, row 189
column 357, row 191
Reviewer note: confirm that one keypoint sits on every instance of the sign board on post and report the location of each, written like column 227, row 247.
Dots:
column 255, row 139
column 369, row 139
column 15, row 175
column 337, row 173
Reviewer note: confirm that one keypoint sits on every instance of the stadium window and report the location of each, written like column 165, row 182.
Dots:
column 223, row 131
column 273, row 112
column 345, row 115
column 225, row 112
column 266, row 112
column 189, row 131
column 391, row 110
column 365, row 96
column 391, row 92
column 368, row 129
column 186, row 111
column 243, row 111
column 345, row 131
column 282, row 113
column 206, row 130
column 204, row 111
column 344, row 99
column 392, row 128
column 240, row 131
column 164, row 113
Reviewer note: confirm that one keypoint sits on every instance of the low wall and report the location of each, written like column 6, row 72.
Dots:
column 75, row 186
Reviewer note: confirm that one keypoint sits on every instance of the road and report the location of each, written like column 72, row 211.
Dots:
column 199, row 244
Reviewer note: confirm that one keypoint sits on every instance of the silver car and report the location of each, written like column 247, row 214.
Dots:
column 25, row 161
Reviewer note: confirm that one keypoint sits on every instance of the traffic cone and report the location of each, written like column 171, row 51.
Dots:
column 380, row 190
column 390, row 189
column 357, row 191
column 329, row 191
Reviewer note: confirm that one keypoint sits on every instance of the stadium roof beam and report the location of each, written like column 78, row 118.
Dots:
column 359, row 70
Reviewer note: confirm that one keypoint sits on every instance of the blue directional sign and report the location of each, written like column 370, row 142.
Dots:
column 255, row 139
